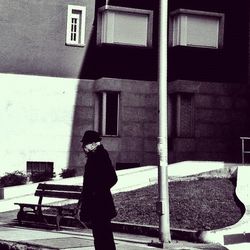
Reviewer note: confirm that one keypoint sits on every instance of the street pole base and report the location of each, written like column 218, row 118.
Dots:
column 163, row 245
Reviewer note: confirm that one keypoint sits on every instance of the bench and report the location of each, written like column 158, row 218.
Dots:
column 52, row 191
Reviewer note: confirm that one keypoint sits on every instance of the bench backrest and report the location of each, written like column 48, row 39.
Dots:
column 58, row 191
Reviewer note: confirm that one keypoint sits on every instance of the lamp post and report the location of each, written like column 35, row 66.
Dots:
column 163, row 204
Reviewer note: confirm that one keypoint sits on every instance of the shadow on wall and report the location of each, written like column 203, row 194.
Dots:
column 83, row 119
column 83, row 116
column 98, row 62
column 127, row 62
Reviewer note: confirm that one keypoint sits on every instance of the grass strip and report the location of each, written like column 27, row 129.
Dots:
column 202, row 204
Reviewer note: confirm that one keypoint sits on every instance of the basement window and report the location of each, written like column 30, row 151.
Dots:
column 40, row 167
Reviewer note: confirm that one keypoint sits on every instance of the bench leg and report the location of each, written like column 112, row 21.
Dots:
column 58, row 219
column 83, row 224
column 59, row 215
column 40, row 216
column 20, row 215
column 77, row 217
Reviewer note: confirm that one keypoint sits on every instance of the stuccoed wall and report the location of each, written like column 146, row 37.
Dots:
column 36, row 117
column 33, row 36
column 44, row 118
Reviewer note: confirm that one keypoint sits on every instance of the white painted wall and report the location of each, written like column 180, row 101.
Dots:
column 35, row 120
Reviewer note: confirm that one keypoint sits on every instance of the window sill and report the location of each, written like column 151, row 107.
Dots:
column 75, row 45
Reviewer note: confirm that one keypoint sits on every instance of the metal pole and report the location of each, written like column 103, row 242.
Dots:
column 163, row 203
column 242, row 151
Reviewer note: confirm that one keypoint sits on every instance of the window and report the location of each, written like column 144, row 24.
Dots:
column 125, row 26
column 76, row 25
column 181, row 115
column 196, row 28
column 40, row 167
column 108, row 113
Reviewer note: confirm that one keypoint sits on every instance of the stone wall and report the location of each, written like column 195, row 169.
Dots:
column 221, row 115
column 137, row 141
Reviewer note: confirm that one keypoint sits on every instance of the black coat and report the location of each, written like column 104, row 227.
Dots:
column 99, row 177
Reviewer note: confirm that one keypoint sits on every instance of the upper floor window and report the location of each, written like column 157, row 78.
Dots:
column 125, row 26
column 76, row 25
column 108, row 113
column 196, row 28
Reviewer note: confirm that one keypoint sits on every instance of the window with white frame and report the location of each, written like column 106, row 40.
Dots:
column 76, row 25
column 108, row 113
column 124, row 26
column 196, row 28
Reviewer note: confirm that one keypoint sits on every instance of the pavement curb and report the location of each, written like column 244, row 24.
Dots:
column 153, row 231
column 11, row 245
column 129, row 228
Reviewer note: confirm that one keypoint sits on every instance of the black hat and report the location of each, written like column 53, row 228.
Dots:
column 91, row 136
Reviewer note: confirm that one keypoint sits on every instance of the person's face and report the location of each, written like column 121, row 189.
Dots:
column 88, row 147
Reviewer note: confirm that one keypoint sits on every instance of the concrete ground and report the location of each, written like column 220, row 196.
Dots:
column 16, row 237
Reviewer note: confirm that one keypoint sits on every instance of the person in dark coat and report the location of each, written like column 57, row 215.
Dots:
column 97, row 202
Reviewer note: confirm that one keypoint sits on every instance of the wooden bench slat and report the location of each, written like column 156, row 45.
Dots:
column 59, row 187
column 45, row 206
column 56, row 194
column 25, row 204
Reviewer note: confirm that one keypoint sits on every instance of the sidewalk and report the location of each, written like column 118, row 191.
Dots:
column 12, row 236
column 31, row 238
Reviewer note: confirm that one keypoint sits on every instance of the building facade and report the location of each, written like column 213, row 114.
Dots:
column 69, row 66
